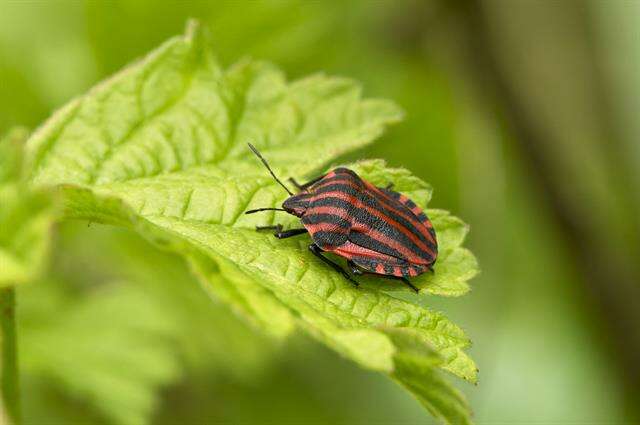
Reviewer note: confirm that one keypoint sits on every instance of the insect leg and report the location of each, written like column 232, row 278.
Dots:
column 389, row 186
column 305, row 185
column 282, row 234
column 288, row 233
column 409, row 284
column 295, row 183
column 354, row 268
column 317, row 251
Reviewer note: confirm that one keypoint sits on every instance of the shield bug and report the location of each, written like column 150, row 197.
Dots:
column 378, row 231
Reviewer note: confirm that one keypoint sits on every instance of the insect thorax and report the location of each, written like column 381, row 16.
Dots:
column 297, row 204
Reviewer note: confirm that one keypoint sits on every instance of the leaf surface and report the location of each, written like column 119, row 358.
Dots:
column 126, row 327
column 26, row 217
column 161, row 147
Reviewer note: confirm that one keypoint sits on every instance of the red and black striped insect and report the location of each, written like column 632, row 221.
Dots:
column 378, row 231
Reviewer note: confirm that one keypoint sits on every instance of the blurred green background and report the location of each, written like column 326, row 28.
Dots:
column 521, row 114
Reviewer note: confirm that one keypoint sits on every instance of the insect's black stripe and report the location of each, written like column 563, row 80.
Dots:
column 330, row 238
column 395, row 213
column 333, row 186
column 326, row 219
column 372, row 263
column 366, row 241
column 431, row 230
column 349, row 177
column 410, row 204
column 362, row 216
column 390, row 193
column 422, row 217
column 372, row 203
column 337, row 180
column 407, row 202
column 388, row 269
column 342, row 170
column 365, row 262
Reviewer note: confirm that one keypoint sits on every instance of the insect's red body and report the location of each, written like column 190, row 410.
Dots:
column 375, row 229
column 380, row 230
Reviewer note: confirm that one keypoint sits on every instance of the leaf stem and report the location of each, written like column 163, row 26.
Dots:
column 9, row 388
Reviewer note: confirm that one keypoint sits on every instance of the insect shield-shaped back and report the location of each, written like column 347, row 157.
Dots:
column 378, row 231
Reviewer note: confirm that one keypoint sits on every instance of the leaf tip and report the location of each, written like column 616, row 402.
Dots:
column 193, row 28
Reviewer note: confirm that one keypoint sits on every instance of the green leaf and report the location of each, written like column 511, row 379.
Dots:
column 161, row 147
column 437, row 395
column 207, row 337
column 25, row 217
column 415, row 370
column 102, row 355
column 127, row 327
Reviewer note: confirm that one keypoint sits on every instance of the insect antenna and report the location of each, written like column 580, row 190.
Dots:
column 264, row 209
column 264, row 161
